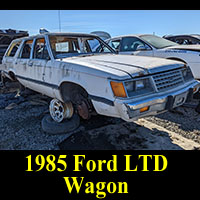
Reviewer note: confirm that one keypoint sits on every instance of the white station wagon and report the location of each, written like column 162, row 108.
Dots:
column 152, row 45
column 82, row 74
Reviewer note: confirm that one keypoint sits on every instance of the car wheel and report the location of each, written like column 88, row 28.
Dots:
column 59, row 110
column 66, row 126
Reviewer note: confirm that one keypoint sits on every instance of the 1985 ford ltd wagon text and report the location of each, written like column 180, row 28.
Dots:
column 82, row 74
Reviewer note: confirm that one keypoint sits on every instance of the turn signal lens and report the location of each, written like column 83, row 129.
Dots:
column 144, row 109
column 118, row 89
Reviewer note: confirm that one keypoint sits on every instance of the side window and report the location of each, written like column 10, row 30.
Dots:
column 182, row 40
column 179, row 40
column 115, row 44
column 193, row 40
column 186, row 40
column 132, row 44
column 26, row 50
column 13, row 49
column 40, row 49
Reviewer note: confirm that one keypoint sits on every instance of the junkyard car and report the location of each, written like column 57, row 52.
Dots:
column 151, row 45
column 184, row 39
column 84, row 75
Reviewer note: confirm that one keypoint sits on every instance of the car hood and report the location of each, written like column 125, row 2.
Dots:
column 122, row 66
column 192, row 47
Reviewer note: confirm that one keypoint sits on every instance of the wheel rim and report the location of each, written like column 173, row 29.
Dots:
column 59, row 110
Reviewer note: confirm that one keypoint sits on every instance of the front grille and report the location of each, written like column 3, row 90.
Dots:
column 168, row 80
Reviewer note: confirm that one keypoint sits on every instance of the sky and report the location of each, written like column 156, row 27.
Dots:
column 115, row 22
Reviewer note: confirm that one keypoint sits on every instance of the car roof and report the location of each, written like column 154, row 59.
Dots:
column 70, row 34
column 194, row 35
column 130, row 35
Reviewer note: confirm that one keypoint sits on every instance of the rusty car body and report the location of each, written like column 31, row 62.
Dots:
column 82, row 74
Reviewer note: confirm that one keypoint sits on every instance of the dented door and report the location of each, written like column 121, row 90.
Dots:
column 37, row 67
column 37, row 64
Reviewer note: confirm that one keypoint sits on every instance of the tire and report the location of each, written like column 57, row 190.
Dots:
column 66, row 126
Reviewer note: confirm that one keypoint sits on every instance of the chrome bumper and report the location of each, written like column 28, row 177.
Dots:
column 159, row 103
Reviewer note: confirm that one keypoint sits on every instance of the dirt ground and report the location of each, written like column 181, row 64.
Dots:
column 20, row 127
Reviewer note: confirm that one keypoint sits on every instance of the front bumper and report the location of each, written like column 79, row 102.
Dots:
column 131, row 110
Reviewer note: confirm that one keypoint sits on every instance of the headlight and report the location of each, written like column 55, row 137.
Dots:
column 132, row 88
column 187, row 73
column 129, row 86
column 139, row 87
column 140, row 84
column 134, row 85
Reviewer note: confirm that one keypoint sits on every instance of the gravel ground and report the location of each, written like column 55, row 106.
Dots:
column 20, row 128
column 183, row 121
column 20, row 123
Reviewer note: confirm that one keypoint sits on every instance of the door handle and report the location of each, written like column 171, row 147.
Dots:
column 20, row 63
column 30, row 64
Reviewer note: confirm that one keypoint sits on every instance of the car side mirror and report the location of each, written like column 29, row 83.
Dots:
column 142, row 48
column 117, row 51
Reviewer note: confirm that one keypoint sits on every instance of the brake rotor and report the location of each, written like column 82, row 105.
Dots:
column 83, row 110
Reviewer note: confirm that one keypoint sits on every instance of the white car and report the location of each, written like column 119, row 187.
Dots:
column 151, row 45
column 82, row 74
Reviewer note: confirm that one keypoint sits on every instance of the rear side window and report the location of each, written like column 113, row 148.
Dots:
column 13, row 49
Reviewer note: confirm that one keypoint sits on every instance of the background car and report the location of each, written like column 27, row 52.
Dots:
column 155, row 46
column 102, row 34
column 184, row 39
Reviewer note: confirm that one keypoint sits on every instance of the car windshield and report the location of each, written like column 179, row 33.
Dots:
column 157, row 42
column 67, row 46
